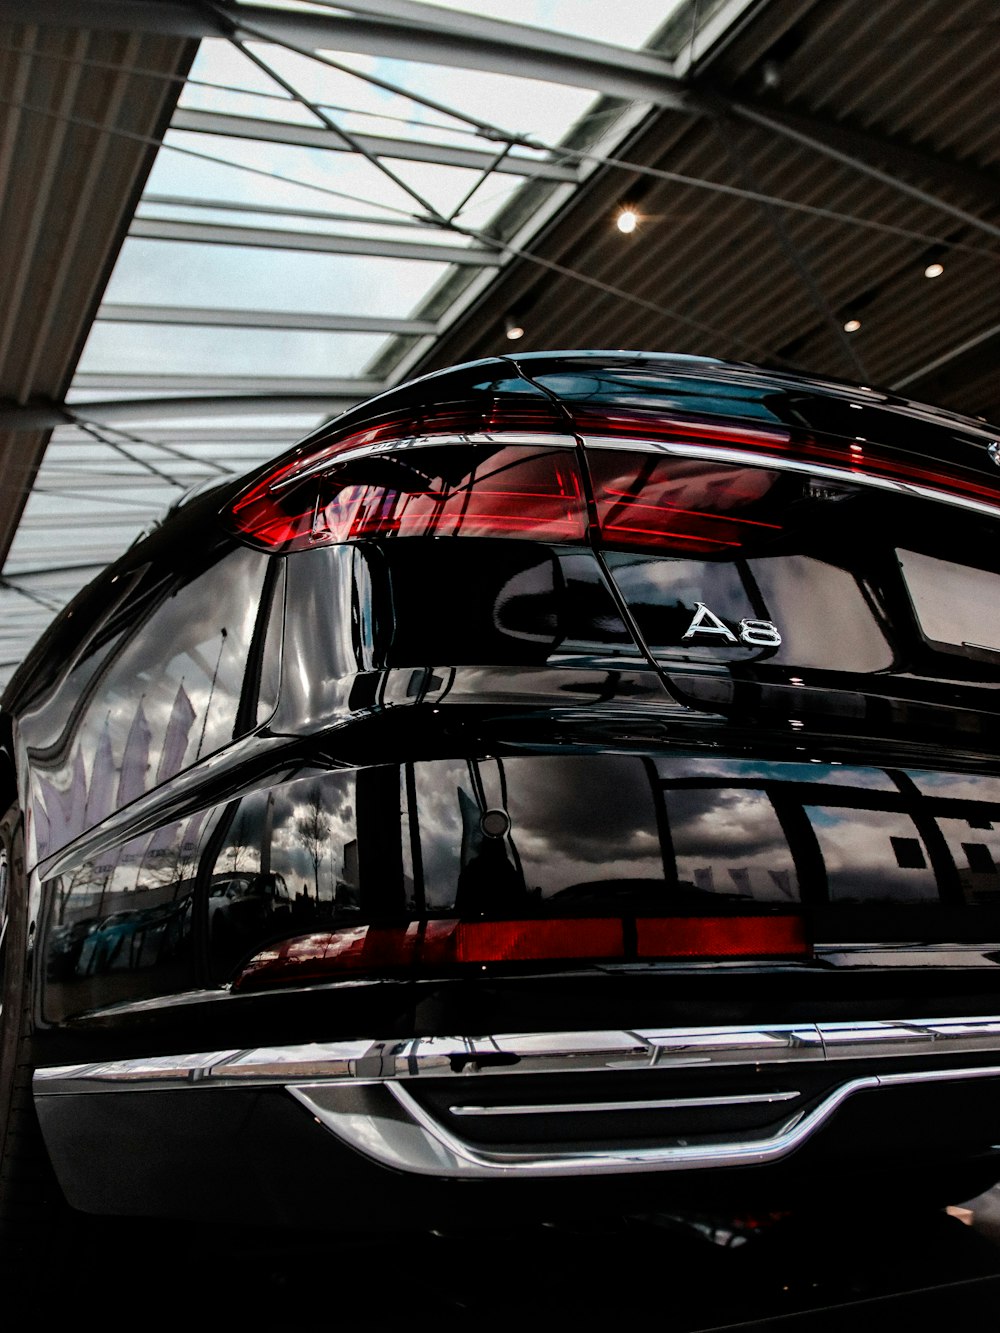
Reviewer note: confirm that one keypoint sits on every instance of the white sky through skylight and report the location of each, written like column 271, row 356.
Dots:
column 234, row 198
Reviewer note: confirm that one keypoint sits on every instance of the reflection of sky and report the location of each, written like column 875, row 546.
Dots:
column 860, row 861
column 967, row 786
column 840, row 775
column 170, row 696
column 440, row 818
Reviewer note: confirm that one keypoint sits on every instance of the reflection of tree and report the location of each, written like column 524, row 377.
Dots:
column 313, row 827
column 80, row 883
column 237, row 847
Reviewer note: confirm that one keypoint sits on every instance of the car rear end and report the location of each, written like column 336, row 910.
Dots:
column 630, row 759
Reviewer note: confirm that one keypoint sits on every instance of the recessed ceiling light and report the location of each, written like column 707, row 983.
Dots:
column 852, row 325
column 513, row 329
column 627, row 220
column 933, row 270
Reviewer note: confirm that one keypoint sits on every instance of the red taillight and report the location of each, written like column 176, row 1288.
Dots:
column 530, row 941
column 687, row 506
column 460, row 471
column 859, row 458
column 464, row 479
column 721, row 937
column 452, row 491
column 445, row 944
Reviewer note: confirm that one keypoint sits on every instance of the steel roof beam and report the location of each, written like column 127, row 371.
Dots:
column 262, row 319
column 42, row 415
column 279, row 210
column 67, row 440
column 946, row 358
column 408, row 150
column 255, row 384
column 858, row 146
column 468, row 42
column 857, row 150
column 267, row 238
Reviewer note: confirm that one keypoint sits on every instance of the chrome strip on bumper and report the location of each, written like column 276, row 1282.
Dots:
column 646, row 1104
column 540, row 1053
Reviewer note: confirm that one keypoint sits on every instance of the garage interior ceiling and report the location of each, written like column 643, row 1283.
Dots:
column 224, row 223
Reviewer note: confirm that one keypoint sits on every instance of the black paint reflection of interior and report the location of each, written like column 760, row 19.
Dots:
column 499, row 602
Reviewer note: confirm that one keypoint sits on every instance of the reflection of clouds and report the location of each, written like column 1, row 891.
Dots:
column 726, row 822
column 860, row 860
column 594, row 809
column 730, row 840
column 327, row 802
column 437, row 785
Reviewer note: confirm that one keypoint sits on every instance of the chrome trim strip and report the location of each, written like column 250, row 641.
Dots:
column 383, row 1122
column 534, row 439
column 538, row 1053
column 844, row 474
column 647, row 1104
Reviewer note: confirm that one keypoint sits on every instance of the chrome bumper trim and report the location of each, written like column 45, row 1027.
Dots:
column 400, row 1059
column 646, row 1104
column 384, row 1122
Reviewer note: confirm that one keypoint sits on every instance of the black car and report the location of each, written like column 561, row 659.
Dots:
column 617, row 734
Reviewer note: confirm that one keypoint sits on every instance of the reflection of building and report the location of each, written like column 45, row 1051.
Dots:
column 586, row 829
column 348, row 891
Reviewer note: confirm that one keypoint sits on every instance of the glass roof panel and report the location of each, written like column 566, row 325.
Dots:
column 241, row 278
column 631, row 25
column 98, row 487
column 248, row 168
column 515, row 105
column 180, row 349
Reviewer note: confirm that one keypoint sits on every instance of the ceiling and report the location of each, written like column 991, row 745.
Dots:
column 225, row 223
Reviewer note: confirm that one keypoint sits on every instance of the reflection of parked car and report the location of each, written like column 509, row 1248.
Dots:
column 127, row 940
column 242, row 907
column 66, row 943
column 626, row 729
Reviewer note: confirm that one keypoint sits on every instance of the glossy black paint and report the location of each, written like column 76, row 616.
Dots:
column 221, row 748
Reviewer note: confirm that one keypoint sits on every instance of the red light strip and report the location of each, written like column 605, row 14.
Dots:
column 696, row 513
column 607, row 528
column 440, row 944
column 844, row 457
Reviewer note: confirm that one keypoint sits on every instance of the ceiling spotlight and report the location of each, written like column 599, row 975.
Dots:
column 627, row 221
column 513, row 329
column 933, row 270
column 852, row 325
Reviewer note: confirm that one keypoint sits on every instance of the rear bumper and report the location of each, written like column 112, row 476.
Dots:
column 530, row 1106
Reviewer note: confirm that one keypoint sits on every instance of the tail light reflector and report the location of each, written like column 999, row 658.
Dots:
column 864, row 459
column 443, row 944
column 458, row 483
